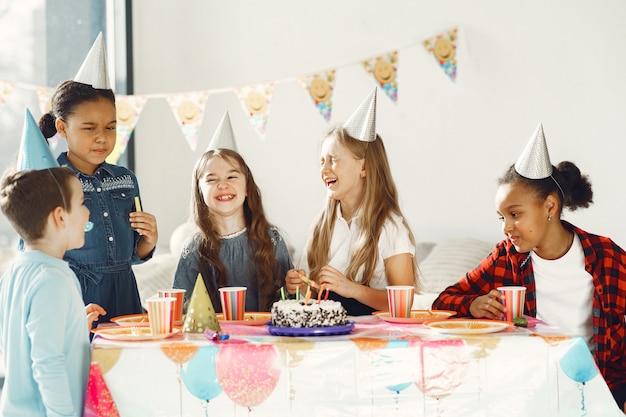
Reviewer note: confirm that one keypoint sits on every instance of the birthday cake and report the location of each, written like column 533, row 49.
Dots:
column 292, row 313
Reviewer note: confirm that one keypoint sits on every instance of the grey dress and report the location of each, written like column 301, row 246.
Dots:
column 239, row 266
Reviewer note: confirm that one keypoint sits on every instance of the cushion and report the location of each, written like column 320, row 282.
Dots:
column 449, row 261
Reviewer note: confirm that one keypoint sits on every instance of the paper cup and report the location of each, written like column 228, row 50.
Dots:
column 233, row 302
column 179, row 294
column 400, row 300
column 513, row 300
column 160, row 314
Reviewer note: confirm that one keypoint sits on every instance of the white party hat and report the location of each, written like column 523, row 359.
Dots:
column 534, row 162
column 34, row 152
column 362, row 124
column 93, row 71
column 224, row 137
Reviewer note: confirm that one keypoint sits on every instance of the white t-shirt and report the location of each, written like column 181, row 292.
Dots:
column 394, row 240
column 565, row 292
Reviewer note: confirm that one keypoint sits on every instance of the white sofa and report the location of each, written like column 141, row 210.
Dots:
column 440, row 264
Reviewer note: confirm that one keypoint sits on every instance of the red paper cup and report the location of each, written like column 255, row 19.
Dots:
column 400, row 300
column 233, row 302
column 160, row 314
column 179, row 294
column 513, row 300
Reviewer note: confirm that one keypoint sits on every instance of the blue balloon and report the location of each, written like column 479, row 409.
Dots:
column 394, row 344
column 578, row 363
column 200, row 376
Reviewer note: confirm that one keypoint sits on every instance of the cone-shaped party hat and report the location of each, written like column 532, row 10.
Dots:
column 534, row 162
column 34, row 152
column 224, row 137
column 93, row 71
column 200, row 311
column 362, row 124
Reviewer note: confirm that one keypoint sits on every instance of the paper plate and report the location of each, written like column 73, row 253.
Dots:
column 311, row 331
column 249, row 319
column 468, row 326
column 140, row 320
column 131, row 333
column 417, row 316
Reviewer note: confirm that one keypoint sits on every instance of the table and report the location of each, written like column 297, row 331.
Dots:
column 380, row 369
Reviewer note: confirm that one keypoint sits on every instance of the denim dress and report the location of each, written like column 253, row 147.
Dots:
column 103, row 264
column 238, row 261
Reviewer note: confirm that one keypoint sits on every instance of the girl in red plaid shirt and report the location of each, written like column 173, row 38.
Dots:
column 573, row 279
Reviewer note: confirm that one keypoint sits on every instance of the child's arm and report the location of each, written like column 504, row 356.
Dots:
column 93, row 312
column 146, row 225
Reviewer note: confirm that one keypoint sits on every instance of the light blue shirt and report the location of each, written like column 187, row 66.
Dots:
column 43, row 337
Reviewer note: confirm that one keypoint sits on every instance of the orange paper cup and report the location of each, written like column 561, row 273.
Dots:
column 179, row 294
column 400, row 300
column 513, row 300
column 233, row 302
column 160, row 314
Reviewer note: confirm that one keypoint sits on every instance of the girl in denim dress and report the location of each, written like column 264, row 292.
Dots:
column 122, row 235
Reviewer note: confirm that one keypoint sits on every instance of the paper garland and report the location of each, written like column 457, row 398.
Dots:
column 189, row 111
column 128, row 109
column 320, row 88
column 256, row 101
column 188, row 108
column 443, row 48
column 384, row 69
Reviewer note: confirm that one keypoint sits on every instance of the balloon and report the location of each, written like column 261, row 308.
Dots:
column 179, row 352
column 443, row 366
column 578, row 363
column 292, row 349
column 392, row 345
column 483, row 344
column 106, row 358
column 369, row 343
column 199, row 374
column 248, row 372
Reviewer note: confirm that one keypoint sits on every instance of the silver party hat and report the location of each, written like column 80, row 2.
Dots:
column 362, row 124
column 34, row 152
column 93, row 71
column 534, row 162
column 224, row 137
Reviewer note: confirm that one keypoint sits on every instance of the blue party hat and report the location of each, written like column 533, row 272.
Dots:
column 34, row 152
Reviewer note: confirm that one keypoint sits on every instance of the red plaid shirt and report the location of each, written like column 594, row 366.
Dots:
column 604, row 260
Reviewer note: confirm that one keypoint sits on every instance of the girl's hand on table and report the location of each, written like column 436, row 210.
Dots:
column 488, row 306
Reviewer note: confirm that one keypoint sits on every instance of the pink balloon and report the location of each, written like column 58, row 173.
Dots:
column 248, row 373
column 443, row 365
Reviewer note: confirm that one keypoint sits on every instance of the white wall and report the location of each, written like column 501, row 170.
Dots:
column 520, row 63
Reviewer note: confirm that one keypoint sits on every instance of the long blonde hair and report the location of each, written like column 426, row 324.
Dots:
column 380, row 201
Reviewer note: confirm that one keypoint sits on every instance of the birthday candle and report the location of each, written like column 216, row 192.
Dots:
column 282, row 293
column 297, row 293
column 137, row 204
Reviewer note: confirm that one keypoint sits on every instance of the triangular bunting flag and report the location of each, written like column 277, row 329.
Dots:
column 384, row 69
column 200, row 312
column 320, row 88
column 256, row 100
column 128, row 110
column 443, row 48
column 6, row 88
column 44, row 96
column 189, row 111
column 98, row 399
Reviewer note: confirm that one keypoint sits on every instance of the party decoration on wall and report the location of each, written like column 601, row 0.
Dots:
column 292, row 351
column 98, row 399
column 443, row 47
column 256, row 101
column 34, row 152
column 116, row 152
column 200, row 312
column 189, row 111
column 384, row 69
column 128, row 110
column 320, row 87
column 106, row 358
column 248, row 372
column 6, row 88
column 200, row 377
